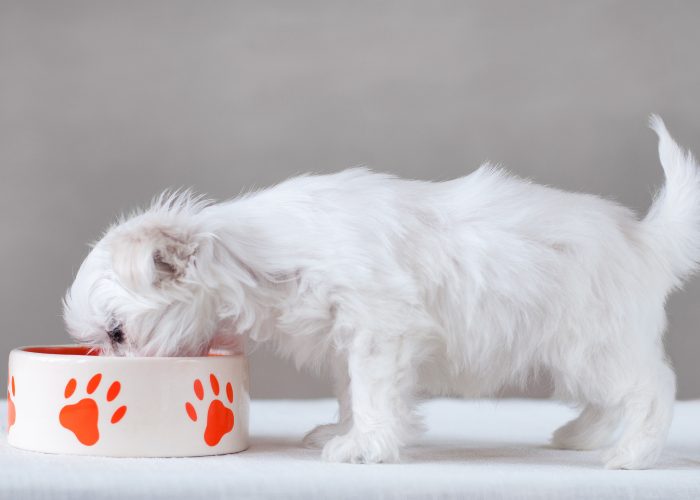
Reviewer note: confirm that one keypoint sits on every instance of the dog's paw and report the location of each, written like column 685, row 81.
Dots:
column 565, row 438
column 571, row 437
column 321, row 434
column 639, row 455
column 360, row 448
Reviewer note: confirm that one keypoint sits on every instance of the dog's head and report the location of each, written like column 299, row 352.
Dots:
column 147, row 286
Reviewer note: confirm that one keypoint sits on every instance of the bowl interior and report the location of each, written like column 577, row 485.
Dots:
column 83, row 350
column 74, row 350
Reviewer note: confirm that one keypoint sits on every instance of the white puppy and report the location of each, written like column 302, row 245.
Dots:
column 404, row 288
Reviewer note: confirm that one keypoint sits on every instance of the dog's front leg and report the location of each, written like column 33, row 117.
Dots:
column 321, row 434
column 381, row 381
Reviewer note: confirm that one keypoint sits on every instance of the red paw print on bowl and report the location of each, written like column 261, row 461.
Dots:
column 82, row 418
column 219, row 415
column 11, row 411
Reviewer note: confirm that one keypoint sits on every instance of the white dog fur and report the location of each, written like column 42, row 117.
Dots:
column 404, row 288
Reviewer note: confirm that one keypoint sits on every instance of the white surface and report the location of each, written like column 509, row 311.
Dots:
column 472, row 449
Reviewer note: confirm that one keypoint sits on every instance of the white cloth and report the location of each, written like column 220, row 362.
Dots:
column 472, row 449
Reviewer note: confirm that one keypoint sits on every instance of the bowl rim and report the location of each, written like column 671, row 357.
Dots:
column 26, row 351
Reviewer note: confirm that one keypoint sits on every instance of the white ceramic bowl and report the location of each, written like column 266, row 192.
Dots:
column 61, row 399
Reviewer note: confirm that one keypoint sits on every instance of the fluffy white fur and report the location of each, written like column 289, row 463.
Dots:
column 404, row 288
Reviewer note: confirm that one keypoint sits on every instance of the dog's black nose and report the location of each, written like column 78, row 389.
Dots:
column 116, row 335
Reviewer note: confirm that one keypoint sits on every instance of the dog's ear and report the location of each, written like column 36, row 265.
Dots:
column 152, row 256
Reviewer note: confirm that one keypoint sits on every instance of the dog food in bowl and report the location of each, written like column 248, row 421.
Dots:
column 67, row 399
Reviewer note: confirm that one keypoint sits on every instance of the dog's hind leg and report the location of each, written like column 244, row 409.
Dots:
column 594, row 428
column 646, row 417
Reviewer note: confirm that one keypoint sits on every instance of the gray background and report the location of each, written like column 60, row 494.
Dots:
column 104, row 104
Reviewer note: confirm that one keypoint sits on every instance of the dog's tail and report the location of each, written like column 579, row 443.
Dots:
column 673, row 221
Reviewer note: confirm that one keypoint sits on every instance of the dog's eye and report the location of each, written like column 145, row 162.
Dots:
column 116, row 335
